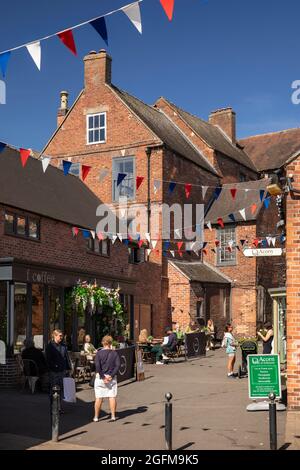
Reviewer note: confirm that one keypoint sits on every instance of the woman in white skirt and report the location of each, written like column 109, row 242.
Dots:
column 107, row 364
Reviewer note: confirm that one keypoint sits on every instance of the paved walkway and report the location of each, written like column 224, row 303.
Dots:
column 209, row 412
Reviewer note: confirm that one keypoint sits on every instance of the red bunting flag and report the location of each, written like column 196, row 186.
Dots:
column 180, row 254
column 85, row 169
column 217, row 242
column 233, row 192
column 179, row 244
column 67, row 39
column 24, row 154
column 204, row 252
column 188, row 188
column 139, row 180
column 253, row 208
column 140, row 243
column 75, row 231
column 256, row 242
column 168, row 6
column 220, row 222
column 100, row 236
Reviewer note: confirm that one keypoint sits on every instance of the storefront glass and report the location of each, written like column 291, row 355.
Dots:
column 54, row 309
column 38, row 315
column 3, row 312
column 20, row 315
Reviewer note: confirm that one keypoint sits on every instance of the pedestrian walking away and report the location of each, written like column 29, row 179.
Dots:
column 230, row 344
column 107, row 363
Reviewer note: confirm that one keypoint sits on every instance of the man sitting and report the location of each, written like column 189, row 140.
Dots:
column 171, row 343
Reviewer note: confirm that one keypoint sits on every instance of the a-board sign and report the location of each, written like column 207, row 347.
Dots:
column 263, row 375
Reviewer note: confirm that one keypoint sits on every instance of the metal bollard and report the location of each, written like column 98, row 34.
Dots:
column 168, row 421
column 55, row 412
column 272, row 422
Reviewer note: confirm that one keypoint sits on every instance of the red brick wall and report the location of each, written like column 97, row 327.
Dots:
column 293, row 290
column 179, row 296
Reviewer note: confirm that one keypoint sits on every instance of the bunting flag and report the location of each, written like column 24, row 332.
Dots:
column 273, row 241
column 75, row 231
column 148, row 251
column 172, row 253
column 120, row 236
column 157, row 184
column 123, row 152
column 220, row 222
column 66, row 166
column 180, row 254
column 204, row 245
column 282, row 239
column 67, row 39
column 264, row 243
column 253, row 209
column 217, row 193
column 153, row 243
column 177, row 232
column 45, row 163
column 24, row 154
column 100, row 236
column 166, row 245
column 233, row 193
column 217, row 242
column 238, row 248
column 114, row 238
column 208, row 224
column 231, row 243
column 100, row 26
column 121, row 177
column 213, row 250
column 134, row 14
column 256, row 242
column 140, row 243
column 204, row 251
column 103, row 174
column 267, row 202
column 243, row 213
column 2, row 146
column 4, row 58
column 179, row 244
column 126, row 242
column 86, row 233
column 168, row 6
column 204, row 191
column 147, row 236
column 269, row 240
column 85, row 169
column 172, row 186
column 93, row 233
column 139, row 180
column 231, row 217
column 242, row 242
column 34, row 50
column 188, row 188
column 261, row 194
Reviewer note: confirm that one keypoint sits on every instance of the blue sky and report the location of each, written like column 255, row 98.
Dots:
column 215, row 53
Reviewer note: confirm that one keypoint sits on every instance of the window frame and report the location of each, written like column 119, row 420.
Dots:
column 115, row 160
column 132, row 250
column 27, row 218
column 91, row 247
column 96, row 128
column 221, row 231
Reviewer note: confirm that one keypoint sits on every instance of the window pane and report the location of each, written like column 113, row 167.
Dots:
column 129, row 167
column 102, row 135
column 37, row 315
column 91, row 138
column 126, row 188
column 9, row 223
column 20, row 319
column 33, row 229
column 96, row 121
column 102, row 120
column 96, row 136
column 21, row 225
column 104, row 247
column 75, row 169
column 91, row 119
column 96, row 245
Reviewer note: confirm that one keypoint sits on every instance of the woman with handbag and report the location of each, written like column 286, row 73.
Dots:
column 107, row 363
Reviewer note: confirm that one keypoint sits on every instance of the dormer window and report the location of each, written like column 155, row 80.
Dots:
column 96, row 128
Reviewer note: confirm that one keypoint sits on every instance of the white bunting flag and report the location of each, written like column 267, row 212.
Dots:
column 120, row 236
column 34, row 50
column 2, row 92
column 134, row 14
column 147, row 236
column 45, row 163
column 269, row 239
column 153, row 243
column 113, row 238
column 230, row 243
column 157, row 184
column 204, row 190
column 148, row 251
column 243, row 213
column 122, row 213
column 188, row 246
column 93, row 233
column 172, row 253
column 103, row 174
column 209, row 225
column 273, row 241
column 123, row 152
column 177, row 233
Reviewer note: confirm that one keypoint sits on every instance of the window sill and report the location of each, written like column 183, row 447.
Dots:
column 224, row 265
column 22, row 237
column 96, row 143
column 89, row 252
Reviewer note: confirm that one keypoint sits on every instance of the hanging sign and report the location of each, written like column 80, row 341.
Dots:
column 250, row 252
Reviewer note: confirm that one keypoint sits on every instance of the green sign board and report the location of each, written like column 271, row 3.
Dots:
column 263, row 375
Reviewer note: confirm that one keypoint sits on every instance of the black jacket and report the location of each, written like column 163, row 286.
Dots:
column 107, row 361
column 38, row 357
column 57, row 357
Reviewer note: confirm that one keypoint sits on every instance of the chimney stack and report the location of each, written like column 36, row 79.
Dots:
column 97, row 69
column 225, row 119
column 64, row 107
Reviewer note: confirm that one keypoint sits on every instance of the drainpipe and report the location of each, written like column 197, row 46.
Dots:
column 148, row 153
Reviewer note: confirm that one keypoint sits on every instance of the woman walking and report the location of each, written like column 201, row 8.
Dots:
column 230, row 345
column 107, row 363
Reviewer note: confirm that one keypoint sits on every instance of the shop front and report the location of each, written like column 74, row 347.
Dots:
column 35, row 299
column 278, row 296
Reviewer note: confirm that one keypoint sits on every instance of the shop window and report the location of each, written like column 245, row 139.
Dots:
column 37, row 328
column 101, row 247
column 227, row 238
column 136, row 255
column 54, row 310
column 20, row 316
column 3, row 312
column 22, row 226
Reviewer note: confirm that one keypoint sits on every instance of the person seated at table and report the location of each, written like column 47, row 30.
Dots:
column 210, row 330
column 152, row 348
column 179, row 332
column 192, row 327
column 34, row 354
column 171, row 343
column 88, row 347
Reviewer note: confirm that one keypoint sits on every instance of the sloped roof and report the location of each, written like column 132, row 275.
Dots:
column 225, row 204
column 196, row 271
column 165, row 130
column 49, row 194
column 214, row 137
column 272, row 151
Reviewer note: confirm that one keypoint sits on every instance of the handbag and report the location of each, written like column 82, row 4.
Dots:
column 69, row 390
